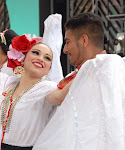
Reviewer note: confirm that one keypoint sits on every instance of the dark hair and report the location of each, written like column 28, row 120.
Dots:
column 9, row 35
column 87, row 23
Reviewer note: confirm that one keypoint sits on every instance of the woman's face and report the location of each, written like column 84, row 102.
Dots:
column 38, row 60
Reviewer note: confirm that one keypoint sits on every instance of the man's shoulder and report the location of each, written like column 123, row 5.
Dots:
column 106, row 58
column 103, row 62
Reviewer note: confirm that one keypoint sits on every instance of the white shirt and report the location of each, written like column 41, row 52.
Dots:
column 31, row 113
column 92, row 116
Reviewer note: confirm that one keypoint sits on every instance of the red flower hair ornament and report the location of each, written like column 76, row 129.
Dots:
column 19, row 47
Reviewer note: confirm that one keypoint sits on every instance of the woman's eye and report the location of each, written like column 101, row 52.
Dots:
column 48, row 58
column 35, row 52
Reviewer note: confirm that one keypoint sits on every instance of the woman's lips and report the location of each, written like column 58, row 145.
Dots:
column 38, row 64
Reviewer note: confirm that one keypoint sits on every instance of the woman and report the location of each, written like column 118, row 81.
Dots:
column 5, row 41
column 27, row 101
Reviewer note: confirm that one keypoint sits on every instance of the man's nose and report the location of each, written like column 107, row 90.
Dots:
column 65, row 49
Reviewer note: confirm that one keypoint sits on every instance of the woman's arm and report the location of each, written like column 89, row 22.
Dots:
column 57, row 96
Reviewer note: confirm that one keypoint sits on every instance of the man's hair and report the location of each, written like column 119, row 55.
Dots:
column 89, row 24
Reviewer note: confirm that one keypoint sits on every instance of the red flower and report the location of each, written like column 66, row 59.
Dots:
column 13, row 63
column 21, row 43
column 33, row 42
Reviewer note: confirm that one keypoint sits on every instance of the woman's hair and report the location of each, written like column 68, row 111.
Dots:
column 8, row 36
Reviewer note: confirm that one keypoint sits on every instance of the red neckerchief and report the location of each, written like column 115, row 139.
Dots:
column 66, row 80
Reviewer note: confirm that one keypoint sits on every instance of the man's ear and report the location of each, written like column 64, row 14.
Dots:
column 85, row 40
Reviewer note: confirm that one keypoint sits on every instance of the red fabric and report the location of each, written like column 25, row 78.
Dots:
column 66, row 80
column 13, row 63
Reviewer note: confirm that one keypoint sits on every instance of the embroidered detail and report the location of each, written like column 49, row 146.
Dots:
column 37, row 89
column 4, row 93
column 8, row 107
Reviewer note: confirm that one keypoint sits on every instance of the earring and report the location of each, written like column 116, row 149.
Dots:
column 19, row 71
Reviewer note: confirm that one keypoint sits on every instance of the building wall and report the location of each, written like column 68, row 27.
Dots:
column 24, row 16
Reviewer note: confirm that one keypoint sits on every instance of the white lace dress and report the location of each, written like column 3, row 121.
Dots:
column 7, row 70
column 31, row 113
column 92, row 116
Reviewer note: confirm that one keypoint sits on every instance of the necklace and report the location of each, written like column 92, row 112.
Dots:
column 8, row 107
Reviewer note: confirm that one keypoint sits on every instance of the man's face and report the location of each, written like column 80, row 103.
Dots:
column 73, row 48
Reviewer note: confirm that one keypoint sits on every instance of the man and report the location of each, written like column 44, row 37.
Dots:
column 92, row 116
column 84, row 38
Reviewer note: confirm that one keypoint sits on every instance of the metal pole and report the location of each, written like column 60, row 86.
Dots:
column 52, row 6
column 67, row 17
column 124, row 24
column 108, row 29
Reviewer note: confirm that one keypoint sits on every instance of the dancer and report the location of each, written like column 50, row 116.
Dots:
column 25, row 101
column 92, row 116
column 5, row 41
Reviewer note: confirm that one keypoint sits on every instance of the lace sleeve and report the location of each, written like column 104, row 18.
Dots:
column 53, row 28
column 3, row 80
column 6, row 81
